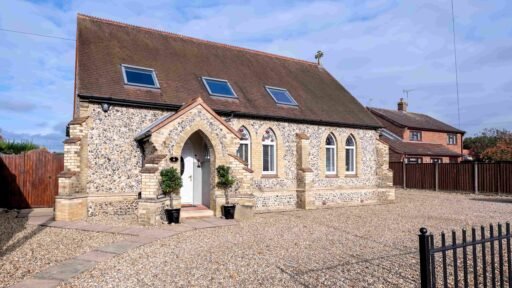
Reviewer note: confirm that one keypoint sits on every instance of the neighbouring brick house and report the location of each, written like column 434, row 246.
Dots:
column 147, row 100
column 418, row 138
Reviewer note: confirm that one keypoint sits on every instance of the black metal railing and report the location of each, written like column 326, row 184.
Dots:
column 481, row 266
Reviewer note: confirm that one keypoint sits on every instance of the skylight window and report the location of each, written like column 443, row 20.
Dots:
column 219, row 87
column 281, row 96
column 139, row 76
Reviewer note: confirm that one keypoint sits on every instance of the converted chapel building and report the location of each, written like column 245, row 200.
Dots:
column 147, row 100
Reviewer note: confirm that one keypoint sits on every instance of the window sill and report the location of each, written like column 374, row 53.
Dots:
column 351, row 176
column 269, row 176
column 331, row 176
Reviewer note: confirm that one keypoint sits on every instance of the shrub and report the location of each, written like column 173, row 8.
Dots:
column 225, row 180
column 13, row 147
column 171, row 182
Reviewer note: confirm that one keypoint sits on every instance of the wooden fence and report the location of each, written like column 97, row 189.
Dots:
column 471, row 177
column 29, row 180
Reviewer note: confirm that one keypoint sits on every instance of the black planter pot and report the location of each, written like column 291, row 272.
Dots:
column 173, row 215
column 228, row 211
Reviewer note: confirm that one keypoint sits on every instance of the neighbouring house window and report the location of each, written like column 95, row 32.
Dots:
column 218, row 87
column 139, row 76
column 281, row 96
column 436, row 160
column 350, row 155
column 413, row 160
column 452, row 139
column 244, row 150
column 269, row 152
column 415, row 136
column 330, row 155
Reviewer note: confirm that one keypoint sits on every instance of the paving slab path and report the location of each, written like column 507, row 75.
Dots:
column 61, row 272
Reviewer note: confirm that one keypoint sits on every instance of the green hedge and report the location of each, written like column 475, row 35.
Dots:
column 13, row 147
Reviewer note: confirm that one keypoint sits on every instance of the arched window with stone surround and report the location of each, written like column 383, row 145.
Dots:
column 244, row 150
column 350, row 155
column 330, row 155
column 269, row 152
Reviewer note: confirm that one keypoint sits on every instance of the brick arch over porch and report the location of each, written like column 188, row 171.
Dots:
column 213, row 142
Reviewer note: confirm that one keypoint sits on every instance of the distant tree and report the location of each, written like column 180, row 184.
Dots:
column 12, row 147
column 487, row 139
column 502, row 151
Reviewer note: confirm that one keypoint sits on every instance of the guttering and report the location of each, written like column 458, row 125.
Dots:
column 125, row 102
column 174, row 107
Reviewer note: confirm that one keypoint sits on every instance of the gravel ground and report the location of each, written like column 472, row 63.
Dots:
column 28, row 249
column 363, row 246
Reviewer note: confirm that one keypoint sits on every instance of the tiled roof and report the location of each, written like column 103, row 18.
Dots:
column 180, row 62
column 413, row 148
column 413, row 120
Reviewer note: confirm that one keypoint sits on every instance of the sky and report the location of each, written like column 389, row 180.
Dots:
column 375, row 48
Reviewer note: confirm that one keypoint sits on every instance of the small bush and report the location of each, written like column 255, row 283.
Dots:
column 171, row 182
column 225, row 180
column 13, row 147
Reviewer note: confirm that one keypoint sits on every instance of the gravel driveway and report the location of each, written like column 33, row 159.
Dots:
column 349, row 247
column 28, row 249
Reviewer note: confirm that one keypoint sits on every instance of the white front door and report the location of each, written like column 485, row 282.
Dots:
column 187, row 191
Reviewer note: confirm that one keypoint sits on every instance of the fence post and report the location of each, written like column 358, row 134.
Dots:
column 499, row 178
column 475, row 178
column 424, row 258
column 404, row 173
column 437, row 175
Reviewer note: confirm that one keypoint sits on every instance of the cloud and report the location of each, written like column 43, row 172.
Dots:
column 53, row 141
column 16, row 106
column 374, row 48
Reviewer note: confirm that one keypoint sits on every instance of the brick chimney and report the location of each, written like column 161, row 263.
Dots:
column 402, row 105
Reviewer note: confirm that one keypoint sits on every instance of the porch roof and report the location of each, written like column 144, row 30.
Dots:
column 412, row 148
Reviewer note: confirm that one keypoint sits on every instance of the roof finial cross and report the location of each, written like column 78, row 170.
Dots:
column 319, row 54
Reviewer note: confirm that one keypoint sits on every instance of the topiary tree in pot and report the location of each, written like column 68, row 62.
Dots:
column 225, row 181
column 171, row 184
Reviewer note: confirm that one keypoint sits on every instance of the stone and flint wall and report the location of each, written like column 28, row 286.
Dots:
column 301, row 179
column 117, row 173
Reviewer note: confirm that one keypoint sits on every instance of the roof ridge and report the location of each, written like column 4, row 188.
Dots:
column 398, row 111
column 194, row 39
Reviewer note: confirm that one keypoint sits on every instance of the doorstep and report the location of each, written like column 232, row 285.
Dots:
column 195, row 211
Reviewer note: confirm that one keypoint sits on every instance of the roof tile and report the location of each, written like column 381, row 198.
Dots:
column 180, row 62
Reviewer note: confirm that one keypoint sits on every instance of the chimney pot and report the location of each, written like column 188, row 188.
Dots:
column 402, row 105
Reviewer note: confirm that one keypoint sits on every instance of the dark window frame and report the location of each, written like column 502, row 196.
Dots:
column 449, row 135
column 412, row 132
column 205, row 82
column 269, row 88
column 418, row 160
column 133, row 68
column 436, row 160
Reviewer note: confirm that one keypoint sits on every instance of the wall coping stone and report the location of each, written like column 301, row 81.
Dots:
column 78, row 120
column 248, row 169
column 72, row 196
column 149, row 170
column 154, row 159
column 238, row 159
column 66, row 174
column 72, row 140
